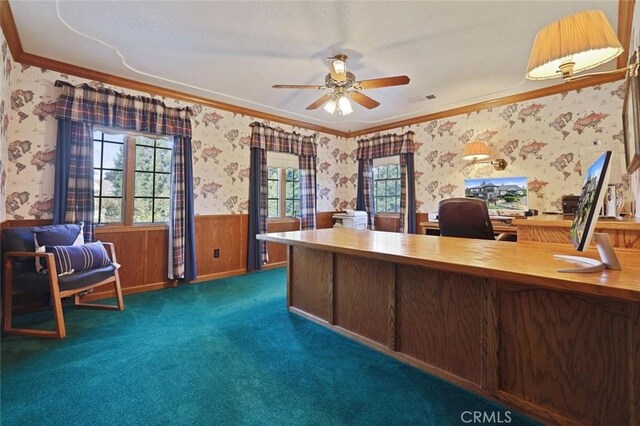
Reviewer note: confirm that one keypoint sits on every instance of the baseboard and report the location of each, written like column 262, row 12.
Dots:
column 160, row 285
column 274, row 265
column 218, row 275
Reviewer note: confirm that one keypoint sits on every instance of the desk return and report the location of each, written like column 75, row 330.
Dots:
column 554, row 229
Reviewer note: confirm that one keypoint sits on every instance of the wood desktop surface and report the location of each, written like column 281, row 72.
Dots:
column 527, row 263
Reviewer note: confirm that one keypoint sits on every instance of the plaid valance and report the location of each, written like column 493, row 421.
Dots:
column 265, row 137
column 106, row 107
column 386, row 145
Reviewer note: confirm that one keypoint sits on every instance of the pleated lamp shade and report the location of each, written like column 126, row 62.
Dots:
column 475, row 151
column 585, row 38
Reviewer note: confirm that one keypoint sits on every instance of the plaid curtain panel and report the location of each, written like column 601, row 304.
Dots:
column 177, row 210
column 85, row 106
column 386, row 146
column 106, row 107
column 367, row 189
column 266, row 138
column 264, row 254
column 307, row 165
column 403, row 192
column 79, row 207
column 271, row 139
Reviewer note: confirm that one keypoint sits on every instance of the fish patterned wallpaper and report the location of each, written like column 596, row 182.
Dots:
column 220, row 146
column 550, row 140
column 5, row 63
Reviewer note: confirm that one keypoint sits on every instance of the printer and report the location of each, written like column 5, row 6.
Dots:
column 351, row 219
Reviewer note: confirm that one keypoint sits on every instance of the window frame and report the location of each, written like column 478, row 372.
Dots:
column 386, row 163
column 128, row 176
column 296, row 189
column 281, row 162
column 282, row 193
column 278, row 197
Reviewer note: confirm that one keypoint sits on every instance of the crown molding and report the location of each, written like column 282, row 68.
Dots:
column 9, row 29
column 8, row 25
column 625, row 24
column 506, row 100
column 65, row 68
column 19, row 55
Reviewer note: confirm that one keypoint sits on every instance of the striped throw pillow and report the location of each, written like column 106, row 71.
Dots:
column 70, row 259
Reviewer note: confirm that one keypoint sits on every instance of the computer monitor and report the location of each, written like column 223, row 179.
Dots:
column 585, row 219
column 504, row 195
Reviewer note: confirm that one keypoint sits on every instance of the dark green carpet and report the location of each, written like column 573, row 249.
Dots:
column 223, row 352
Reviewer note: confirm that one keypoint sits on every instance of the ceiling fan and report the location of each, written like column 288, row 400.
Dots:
column 345, row 87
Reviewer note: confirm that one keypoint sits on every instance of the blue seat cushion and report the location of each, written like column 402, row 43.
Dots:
column 33, row 281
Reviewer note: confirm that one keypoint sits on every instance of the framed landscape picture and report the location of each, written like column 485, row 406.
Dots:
column 631, row 119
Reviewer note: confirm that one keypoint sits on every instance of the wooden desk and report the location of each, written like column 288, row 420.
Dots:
column 497, row 228
column 493, row 317
column 555, row 229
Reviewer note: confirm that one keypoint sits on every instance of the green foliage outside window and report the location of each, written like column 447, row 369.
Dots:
column 386, row 188
column 151, row 178
column 283, row 192
column 273, row 192
column 292, row 192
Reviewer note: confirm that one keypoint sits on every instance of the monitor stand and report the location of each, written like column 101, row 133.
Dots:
column 608, row 257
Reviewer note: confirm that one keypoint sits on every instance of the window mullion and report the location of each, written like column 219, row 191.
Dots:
column 129, row 179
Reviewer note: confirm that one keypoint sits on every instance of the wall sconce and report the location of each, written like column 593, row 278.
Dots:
column 477, row 152
column 573, row 44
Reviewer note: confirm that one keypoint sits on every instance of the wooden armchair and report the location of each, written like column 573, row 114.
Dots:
column 20, row 276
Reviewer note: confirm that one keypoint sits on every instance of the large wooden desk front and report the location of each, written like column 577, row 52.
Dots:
column 494, row 317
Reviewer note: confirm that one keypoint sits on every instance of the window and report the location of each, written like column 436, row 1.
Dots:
column 292, row 192
column 283, row 196
column 386, row 188
column 273, row 192
column 132, row 177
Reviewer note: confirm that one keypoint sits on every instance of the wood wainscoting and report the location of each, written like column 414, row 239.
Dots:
column 142, row 250
column 390, row 222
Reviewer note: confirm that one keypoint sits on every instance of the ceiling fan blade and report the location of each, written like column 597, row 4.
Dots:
column 320, row 101
column 338, row 67
column 363, row 100
column 375, row 83
column 297, row 86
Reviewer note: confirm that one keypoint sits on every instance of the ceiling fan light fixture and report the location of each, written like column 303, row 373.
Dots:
column 344, row 105
column 330, row 106
column 339, row 66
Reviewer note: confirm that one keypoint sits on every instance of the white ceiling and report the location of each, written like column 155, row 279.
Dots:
column 234, row 51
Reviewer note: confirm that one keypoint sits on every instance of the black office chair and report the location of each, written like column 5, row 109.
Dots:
column 466, row 218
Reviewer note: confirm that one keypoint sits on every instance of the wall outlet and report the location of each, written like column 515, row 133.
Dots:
column 216, row 253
